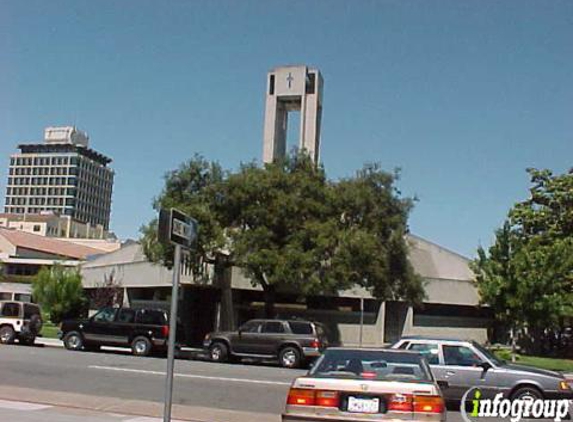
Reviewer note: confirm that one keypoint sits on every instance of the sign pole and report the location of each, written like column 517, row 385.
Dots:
column 172, row 333
column 361, row 318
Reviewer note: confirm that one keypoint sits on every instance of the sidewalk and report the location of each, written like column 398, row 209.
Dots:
column 77, row 407
column 11, row 411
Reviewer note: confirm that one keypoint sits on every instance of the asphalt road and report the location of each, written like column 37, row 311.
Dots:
column 111, row 374
column 237, row 387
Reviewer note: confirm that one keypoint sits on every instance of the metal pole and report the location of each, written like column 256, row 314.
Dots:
column 361, row 319
column 172, row 332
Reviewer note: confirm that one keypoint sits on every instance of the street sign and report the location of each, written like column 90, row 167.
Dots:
column 180, row 230
column 177, row 228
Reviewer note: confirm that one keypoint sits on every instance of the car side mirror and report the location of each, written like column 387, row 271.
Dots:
column 443, row 384
column 486, row 366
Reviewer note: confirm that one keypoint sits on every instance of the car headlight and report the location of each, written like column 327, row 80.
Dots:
column 565, row 385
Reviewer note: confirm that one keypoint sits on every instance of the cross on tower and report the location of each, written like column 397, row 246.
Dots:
column 289, row 80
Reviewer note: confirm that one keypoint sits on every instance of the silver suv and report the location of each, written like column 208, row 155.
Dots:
column 460, row 365
column 20, row 321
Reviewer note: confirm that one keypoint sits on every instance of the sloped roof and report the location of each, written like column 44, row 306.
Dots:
column 436, row 262
column 129, row 253
column 48, row 245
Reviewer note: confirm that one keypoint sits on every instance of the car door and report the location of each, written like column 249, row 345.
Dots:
column 462, row 370
column 124, row 325
column 272, row 336
column 100, row 328
column 247, row 339
column 431, row 351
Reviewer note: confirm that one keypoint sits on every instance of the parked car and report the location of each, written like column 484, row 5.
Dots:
column 351, row 385
column 144, row 330
column 293, row 343
column 465, row 364
column 20, row 321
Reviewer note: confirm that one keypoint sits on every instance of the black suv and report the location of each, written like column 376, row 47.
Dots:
column 293, row 343
column 144, row 330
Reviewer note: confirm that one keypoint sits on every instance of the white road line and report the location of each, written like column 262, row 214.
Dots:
column 148, row 420
column 17, row 405
column 204, row 377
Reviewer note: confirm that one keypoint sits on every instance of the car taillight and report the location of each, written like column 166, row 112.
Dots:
column 301, row 397
column 165, row 331
column 428, row 404
column 327, row 398
column 417, row 404
column 400, row 403
column 307, row 397
column 315, row 344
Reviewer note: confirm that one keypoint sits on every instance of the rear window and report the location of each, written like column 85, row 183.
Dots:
column 151, row 317
column 371, row 365
column 10, row 310
column 303, row 328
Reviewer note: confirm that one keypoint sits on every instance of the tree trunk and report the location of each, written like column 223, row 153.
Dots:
column 223, row 280
column 270, row 299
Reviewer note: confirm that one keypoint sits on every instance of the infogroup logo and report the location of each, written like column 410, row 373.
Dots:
column 515, row 410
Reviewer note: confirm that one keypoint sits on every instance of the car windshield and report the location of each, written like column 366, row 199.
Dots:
column 489, row 355
column 371, row 365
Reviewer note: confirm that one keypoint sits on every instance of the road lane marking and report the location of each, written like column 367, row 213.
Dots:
column 144, row 419
column 204, row 377
column 17, row 405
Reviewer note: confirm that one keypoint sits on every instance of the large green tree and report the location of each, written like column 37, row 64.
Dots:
column 287, row 226
column 60, row 293
column 526, row 276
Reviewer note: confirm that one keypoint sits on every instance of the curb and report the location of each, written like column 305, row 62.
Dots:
column 131, row 407
column 182, row 353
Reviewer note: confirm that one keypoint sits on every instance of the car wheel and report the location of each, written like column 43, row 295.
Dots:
column 219, row 352
column 527, row 392
column 141, row 346
column 290, row 357
column 28, row 341
column 7, row 335
column 73, row 341
column 36, row 324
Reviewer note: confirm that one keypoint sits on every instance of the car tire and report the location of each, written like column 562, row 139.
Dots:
column 73, row 341
column 36, row 324
column 219, row 352
column 7, row 335
column 28, row 341
column 92, row 347
column 141, row 346
column 290, row 357
column 527, row 391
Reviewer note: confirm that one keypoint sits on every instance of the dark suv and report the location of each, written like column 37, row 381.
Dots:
column 144, row 330
column 293, row 343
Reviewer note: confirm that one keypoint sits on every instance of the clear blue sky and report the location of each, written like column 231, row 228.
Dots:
column 462, row 95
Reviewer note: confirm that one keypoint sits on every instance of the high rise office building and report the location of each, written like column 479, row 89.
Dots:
column 61, row 175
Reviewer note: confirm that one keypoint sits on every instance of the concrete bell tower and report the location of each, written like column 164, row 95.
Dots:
column 292, row 88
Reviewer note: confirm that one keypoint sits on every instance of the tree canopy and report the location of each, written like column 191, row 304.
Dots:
column 286, row 225
column 60, row 293
column 526, row 276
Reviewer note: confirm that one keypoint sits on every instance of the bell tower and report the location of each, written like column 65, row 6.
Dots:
column 292, row 88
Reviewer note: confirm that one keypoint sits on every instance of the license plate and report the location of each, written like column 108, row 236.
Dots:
column 358, row 405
